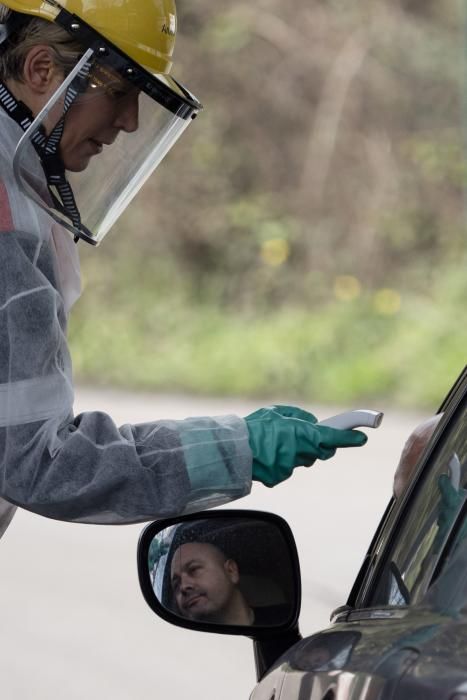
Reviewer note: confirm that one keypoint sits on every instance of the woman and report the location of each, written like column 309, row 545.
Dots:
column 87, row 111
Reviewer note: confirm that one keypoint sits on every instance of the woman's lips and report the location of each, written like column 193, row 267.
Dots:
column 96, row 146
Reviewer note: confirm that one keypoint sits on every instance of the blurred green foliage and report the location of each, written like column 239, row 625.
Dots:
column 307, row 236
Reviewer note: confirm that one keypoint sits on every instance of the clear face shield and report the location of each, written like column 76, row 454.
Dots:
column 110, row 123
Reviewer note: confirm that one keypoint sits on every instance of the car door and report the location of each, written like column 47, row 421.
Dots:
column 381, row 634
column 407, row 555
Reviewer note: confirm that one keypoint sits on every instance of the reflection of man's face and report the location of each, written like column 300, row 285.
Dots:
column 204, row 582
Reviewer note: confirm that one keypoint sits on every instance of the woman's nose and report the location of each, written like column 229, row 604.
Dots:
column 128, row 114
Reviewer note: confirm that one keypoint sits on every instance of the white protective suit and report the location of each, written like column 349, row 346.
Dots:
column 83, row 468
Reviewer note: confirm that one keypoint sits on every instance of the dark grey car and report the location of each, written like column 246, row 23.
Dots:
column 402, row 633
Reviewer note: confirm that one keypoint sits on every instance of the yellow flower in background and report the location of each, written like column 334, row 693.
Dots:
column 387, row 302
column 347, row 288
column 275, row 251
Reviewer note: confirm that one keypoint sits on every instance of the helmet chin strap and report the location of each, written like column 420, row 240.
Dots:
column 47, row 147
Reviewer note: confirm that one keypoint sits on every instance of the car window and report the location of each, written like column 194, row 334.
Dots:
column 431, row 514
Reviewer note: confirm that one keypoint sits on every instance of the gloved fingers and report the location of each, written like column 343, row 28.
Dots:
column 304, row 458
column 294, row 412
column 310, row 445
column 333, row 438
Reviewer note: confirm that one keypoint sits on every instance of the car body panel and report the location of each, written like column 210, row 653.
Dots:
column 418, row 654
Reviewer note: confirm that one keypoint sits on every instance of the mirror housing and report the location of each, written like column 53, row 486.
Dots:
column 260, row 559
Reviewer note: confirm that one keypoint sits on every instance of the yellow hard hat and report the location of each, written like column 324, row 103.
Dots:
column 143, row 29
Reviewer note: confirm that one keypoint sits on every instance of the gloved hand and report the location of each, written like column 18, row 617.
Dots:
column 284, row 437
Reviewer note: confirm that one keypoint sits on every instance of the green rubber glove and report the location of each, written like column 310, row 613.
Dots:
column 284, row 437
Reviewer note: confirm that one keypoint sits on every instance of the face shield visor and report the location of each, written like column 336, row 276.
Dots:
column 100, row 136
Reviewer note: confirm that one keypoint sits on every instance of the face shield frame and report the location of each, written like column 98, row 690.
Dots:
column 164, row 90
column 182, row 103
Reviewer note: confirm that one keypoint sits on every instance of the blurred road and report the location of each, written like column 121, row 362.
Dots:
column 74, row 624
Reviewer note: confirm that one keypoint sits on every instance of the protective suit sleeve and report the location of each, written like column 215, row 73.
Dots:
column 84, row 468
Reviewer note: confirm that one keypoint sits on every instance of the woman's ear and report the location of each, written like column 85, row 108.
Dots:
column 40, row 72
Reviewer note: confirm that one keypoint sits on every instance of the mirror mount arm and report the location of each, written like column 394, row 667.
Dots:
column 268, row 650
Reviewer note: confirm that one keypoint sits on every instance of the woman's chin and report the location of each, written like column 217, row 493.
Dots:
column 76, row 165
column 78, row 161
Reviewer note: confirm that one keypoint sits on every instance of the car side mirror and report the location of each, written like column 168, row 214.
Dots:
column 224, row 571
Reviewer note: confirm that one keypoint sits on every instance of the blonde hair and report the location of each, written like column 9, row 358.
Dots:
column 36, row 31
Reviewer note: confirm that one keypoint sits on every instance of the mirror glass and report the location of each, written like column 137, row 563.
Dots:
column 229, row 571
